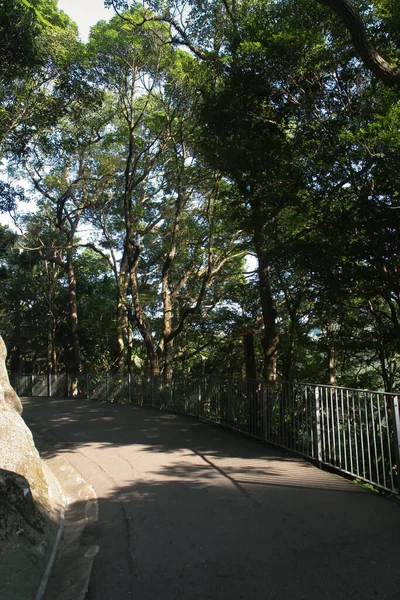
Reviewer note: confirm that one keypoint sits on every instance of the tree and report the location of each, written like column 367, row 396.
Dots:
column 158, row 192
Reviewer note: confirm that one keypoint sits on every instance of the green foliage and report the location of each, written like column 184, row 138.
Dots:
column 268, row 136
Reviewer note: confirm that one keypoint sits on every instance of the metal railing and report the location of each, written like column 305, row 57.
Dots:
column 354, row 431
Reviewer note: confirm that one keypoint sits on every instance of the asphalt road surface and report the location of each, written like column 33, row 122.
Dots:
column 192, row 511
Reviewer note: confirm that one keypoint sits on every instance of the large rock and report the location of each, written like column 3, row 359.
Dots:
column 17, row 448
column 10, row 397
column 18, row 511
column 27, row 520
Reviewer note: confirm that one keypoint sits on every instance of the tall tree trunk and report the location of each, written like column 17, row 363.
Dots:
column 331, row 365
column 51, row 348
column 167, row 317
column 380, row 345
column 271, row 336
column 73, row 317
column 249, row 360
column 122, row 317
column 168, row 362
column 331, row 356
column 139, row 316
column 269, row 313
column 251, row 374
column 287, row 367
column 51, row 274
column 129, row 356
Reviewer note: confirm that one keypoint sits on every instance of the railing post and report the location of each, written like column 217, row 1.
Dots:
column 107, row 388
column 264, row 397
column 396, row 430
column 87, row 385
column 198, row 403
column 318, row 438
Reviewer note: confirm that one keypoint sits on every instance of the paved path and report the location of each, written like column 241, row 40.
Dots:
column 190, row 511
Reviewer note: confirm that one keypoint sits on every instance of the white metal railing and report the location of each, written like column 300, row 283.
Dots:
column 354, row 431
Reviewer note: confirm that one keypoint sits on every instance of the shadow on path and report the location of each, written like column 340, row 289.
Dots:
column 188, row 510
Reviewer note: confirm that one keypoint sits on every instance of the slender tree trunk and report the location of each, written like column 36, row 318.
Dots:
column 122, row 317
column 51, row 274
column 129, row 345
column 51, row 348
column 251, row 374
column 249, row 360
column 271, row 336
column 288, row 359
column 168, row 346
column 331, row 365
column 331, row 356
column 168, row 362
column 154, row 361
column 152, row 354
column 380, row 344
column 73, row 316
column 269, row 313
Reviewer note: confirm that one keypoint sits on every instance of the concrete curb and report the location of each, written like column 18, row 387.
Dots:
column 74, row 501
column 57, row 506
column 70, row 573
column 50, row 564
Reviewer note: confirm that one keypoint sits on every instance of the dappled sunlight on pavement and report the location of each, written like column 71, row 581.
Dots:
column 188, row 510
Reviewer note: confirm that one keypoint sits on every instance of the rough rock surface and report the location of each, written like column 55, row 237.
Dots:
column 25, row 522
column 10, row 397
column 18, row 511
column 17, row 450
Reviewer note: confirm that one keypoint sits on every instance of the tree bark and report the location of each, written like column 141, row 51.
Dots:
column 271, row 336
column 350, row 17
column 167, row 310
column 73, row 317
column 139, row 316
column 121, row 317
column 287, row 367
column 269, row 314
column 331, row 365
column 249, row 360
column 51, row 348
column 51, row 274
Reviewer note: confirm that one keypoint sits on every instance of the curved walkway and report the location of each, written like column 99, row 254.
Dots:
column 191, row 511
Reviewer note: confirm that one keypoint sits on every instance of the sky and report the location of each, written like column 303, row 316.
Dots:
column 85, row 13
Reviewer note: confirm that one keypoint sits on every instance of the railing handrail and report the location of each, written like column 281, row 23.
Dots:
column 205, row 375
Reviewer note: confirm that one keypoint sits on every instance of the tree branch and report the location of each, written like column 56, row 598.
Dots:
column 351, row 18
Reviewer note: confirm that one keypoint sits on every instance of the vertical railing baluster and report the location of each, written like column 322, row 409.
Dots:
column 349, row 431
column 333, row 426
column 338, row 429
column 377, row 478
column 321, row 397
column 396, row 431
column 318, row 439
column 361, row 435
column 389, row 445
column 381, row 440
column 368, row 442
column 343, row 430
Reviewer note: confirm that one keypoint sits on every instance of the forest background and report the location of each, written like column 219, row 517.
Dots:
column 217, row 190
